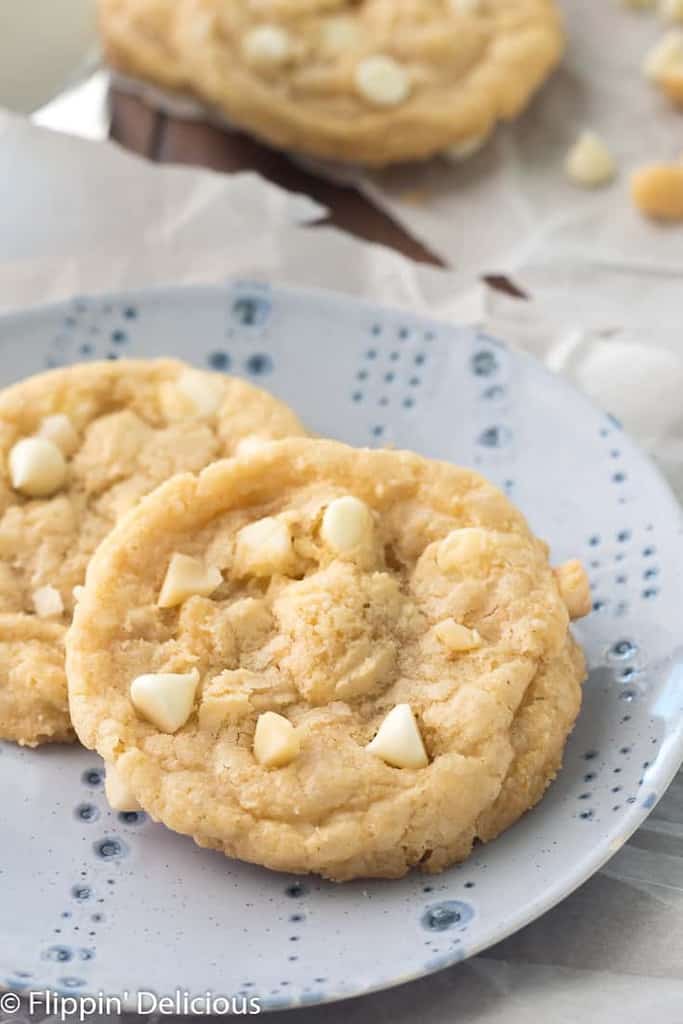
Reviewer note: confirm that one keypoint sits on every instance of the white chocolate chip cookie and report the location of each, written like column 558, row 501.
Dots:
column 367, row 81
column 392, row 678
column 78, row 447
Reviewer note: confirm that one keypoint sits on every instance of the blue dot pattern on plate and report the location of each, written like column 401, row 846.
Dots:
column 439, row 917
column 390, row 379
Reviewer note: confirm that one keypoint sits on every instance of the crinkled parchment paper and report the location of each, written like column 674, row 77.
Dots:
column 83, row 217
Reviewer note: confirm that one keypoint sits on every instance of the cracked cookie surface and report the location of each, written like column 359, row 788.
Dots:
column 122, row 428
column 373, row 82
column 352, row 582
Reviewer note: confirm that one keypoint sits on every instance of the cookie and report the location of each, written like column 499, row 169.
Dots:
column 328, row 660
column 78, row 447
column 372, row 82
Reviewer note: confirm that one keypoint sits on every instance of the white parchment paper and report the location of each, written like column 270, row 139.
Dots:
column 87, row 217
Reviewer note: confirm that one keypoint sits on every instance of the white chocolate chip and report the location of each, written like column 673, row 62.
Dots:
column 347, row 525
column 78, row 592
column 665, row 57
column 263, row 548
column 459, row 151
column 339, row 33
column 574, row 587
column 204, row 393
column 670, row 10
column 589, row 161
column 455, row 637
column 60, row 429
column 266, row 46
column 47, row 602
column 276, row 741
column 398, row 741
column 186, row 576
column 165, row 698
column 463, row 550
column 382, row 80
column 37, row 467
column 118, row 792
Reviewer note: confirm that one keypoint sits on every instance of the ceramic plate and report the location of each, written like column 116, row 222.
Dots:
column 95, row 901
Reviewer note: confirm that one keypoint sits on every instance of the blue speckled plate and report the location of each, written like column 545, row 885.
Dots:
column 98, row 901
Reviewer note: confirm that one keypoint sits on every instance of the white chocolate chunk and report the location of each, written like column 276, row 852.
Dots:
column 276, row 741
column 78, row 592
column 339, row 33
column 463, row 550
column 266, row 46
column 459, row 151
column 165, row 698
column 185, row 577
column 263, row 548
column 118, row 792
column 670, row 10
column 60, row 429
column 382, row 80
column 47, row 601
column 589, row 161
column 575, row 589
column 205, row 394
column 347, row 525
column 455, row 637
column 37, row 467
column 665, row 57
column 398, row 741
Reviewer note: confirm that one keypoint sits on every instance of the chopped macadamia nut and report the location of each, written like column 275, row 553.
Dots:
column 61, row 431
column 251, row 445
column 455, row 637
column 670, row 10
column 459, row 151
column 382, row 81
column 203, row 393
column 665, row 56
column 398, row 741
column 165, row 698
column 118, row 793
column 589, row 161
column 267, row 46
column 37, row 467
column 466, row 6
column 347, row 525
column 276, row 741
column 47, row 602
column 185, row 577
column 339, row 33
column 263, row 548
column 658, row 191
column 463, row 550
column 574, row 588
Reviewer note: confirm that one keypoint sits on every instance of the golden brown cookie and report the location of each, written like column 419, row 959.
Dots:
column 331, row 660
column 78, row 447
column 373, row 82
